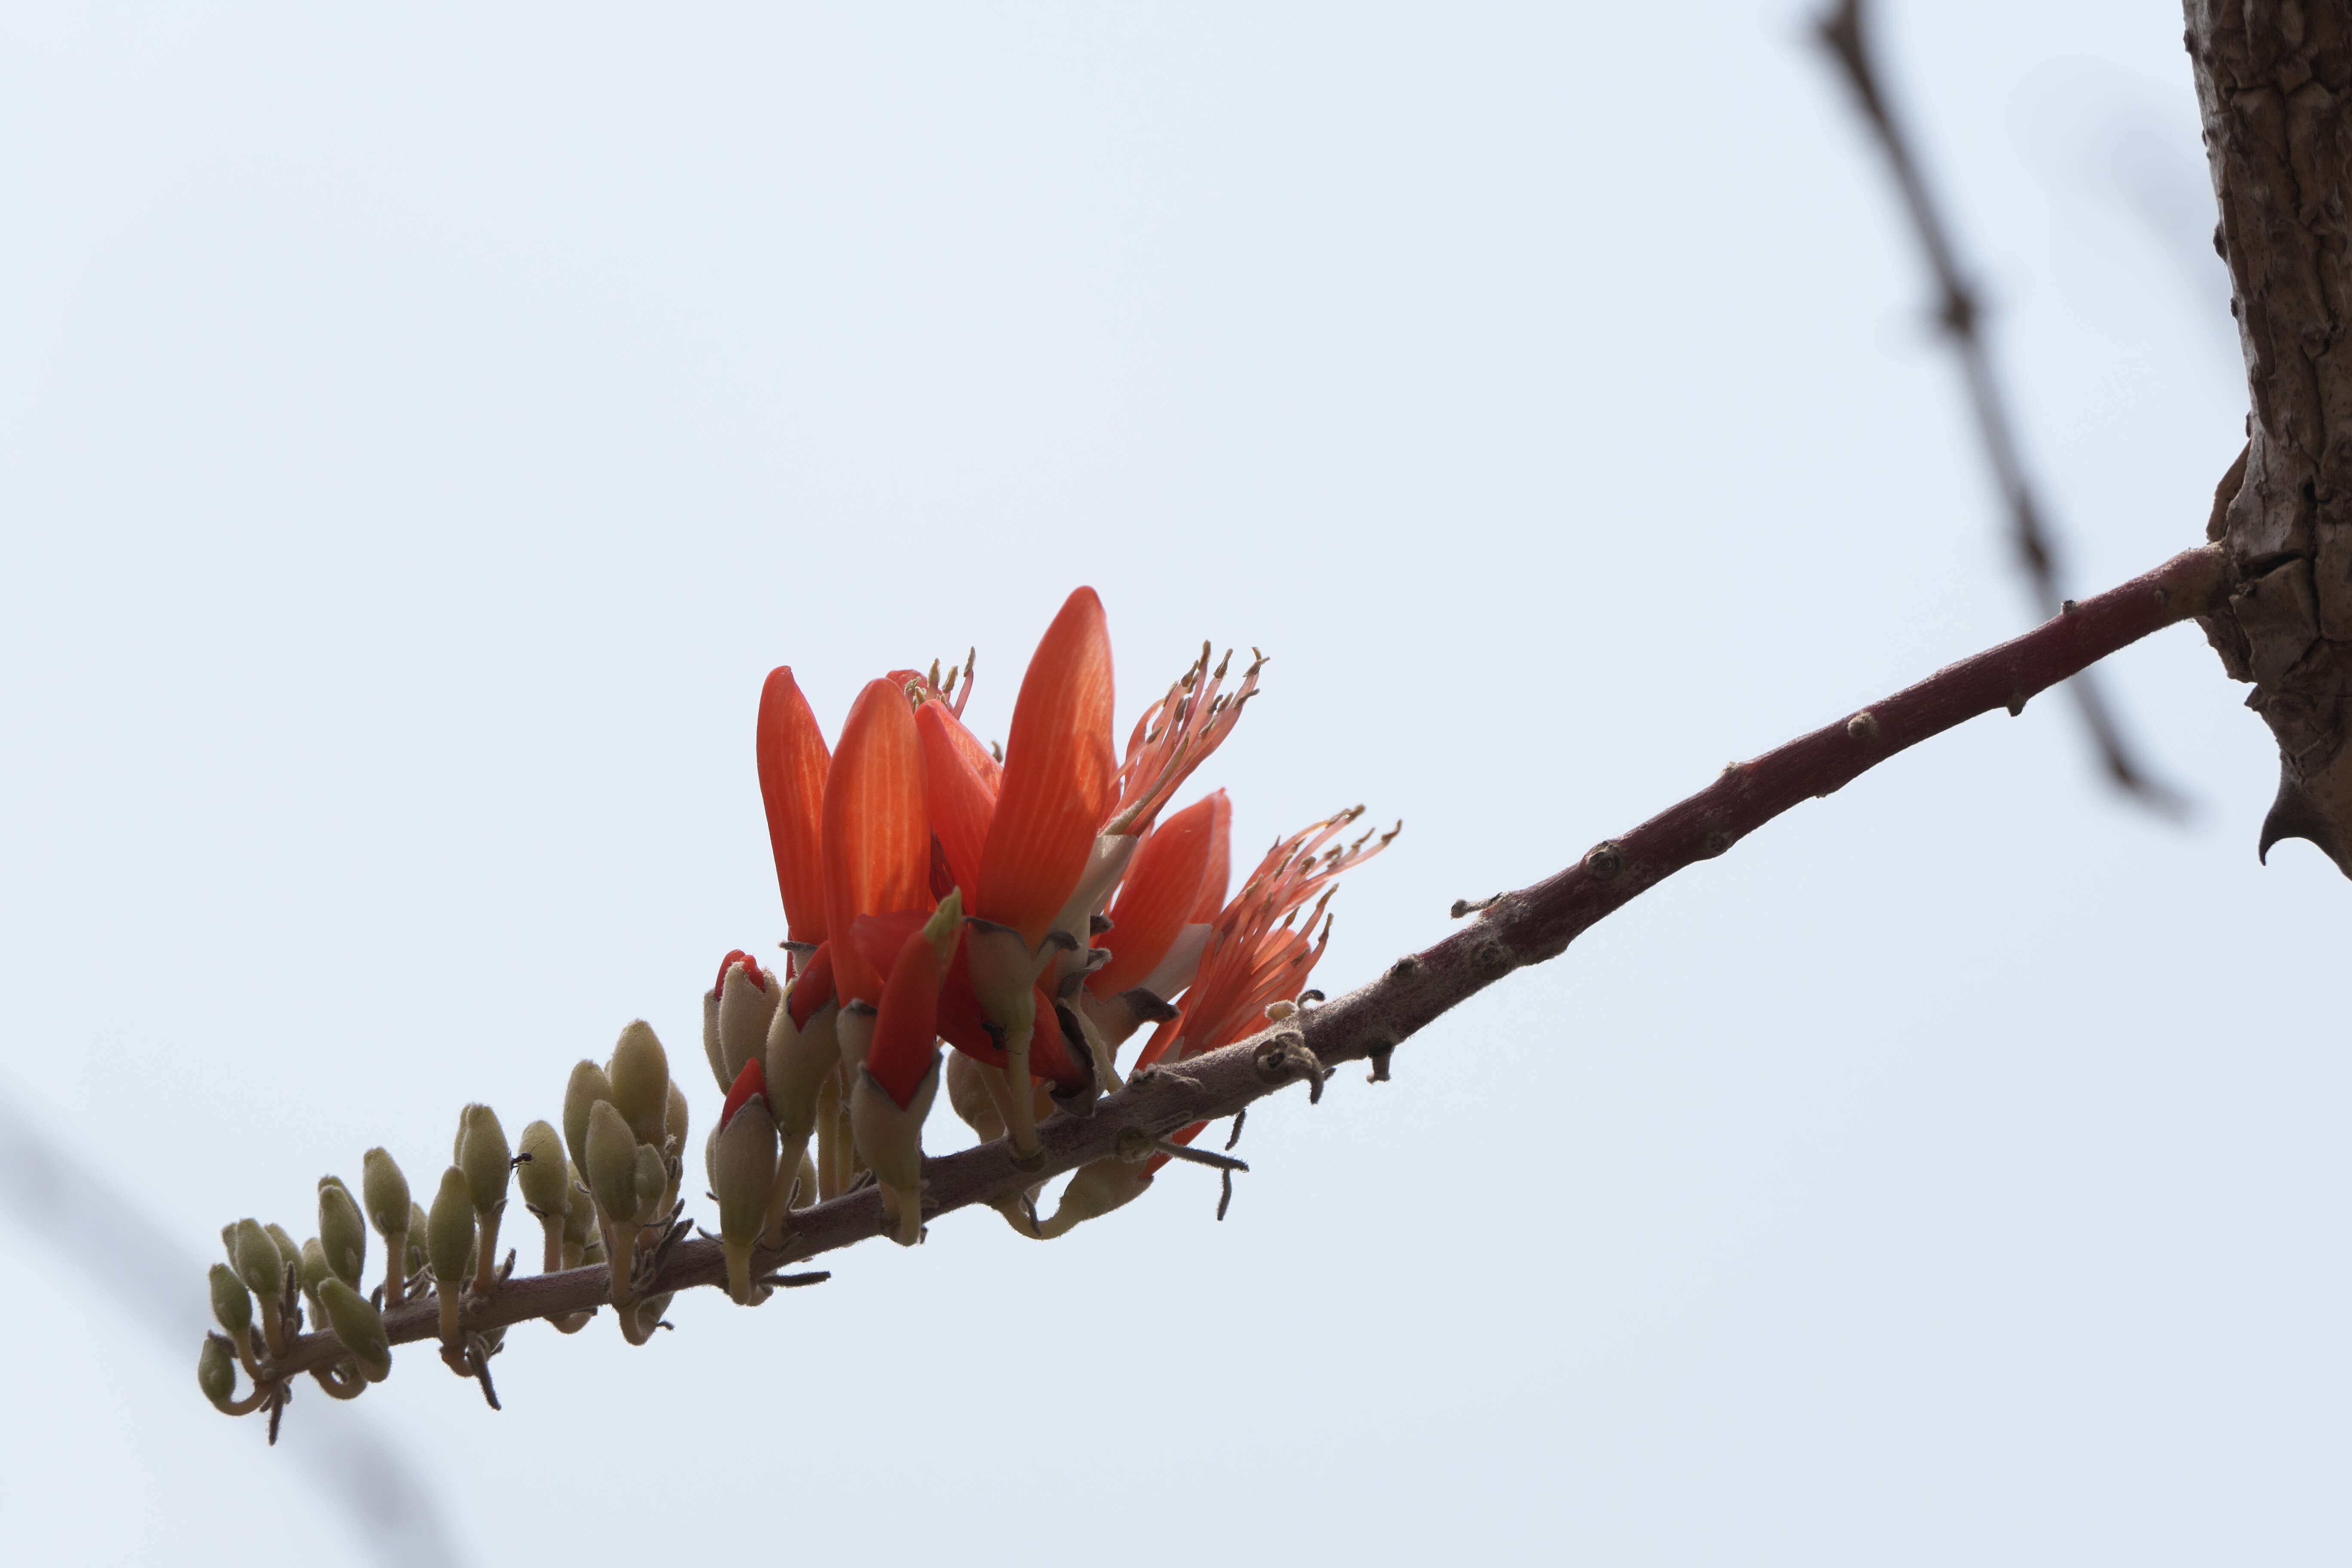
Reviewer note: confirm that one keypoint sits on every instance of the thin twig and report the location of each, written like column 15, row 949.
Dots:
column 1961, row 314
column 1518, row 928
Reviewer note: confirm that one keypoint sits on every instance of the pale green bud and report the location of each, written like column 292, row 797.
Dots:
column 289, row 1249
column 232, row 1303
column 652, row 1180
column 484, row 1158
column 612, row 1162
column 640, row 1075
column 314, row 1267
column 744, row 1170
column 542, row 1174
column 579, row 1209
column 587, row 1086
column 419, row 1255
column 673, row 1120
column 798, row 1064
column 216, row 1369
column 711, row 1041
column 341, row 1231
column 449, row 1230
column 739, row 1021
column 258, row 1262
column 358, row 1325
column 386, row 1192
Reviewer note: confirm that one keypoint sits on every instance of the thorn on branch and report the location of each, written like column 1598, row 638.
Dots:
column 1472, row 906
column 793, row 1281
column 1284, row 1056
column 479, row 1352
column 1185, row 1152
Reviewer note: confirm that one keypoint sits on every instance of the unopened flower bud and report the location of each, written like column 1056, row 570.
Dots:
column 798, row 1060
column 385, row 1191
column 419, row 1255
column 579, row 1213
column 358, row 1325
column 258, row 1262
column 710, row 1037
column 640, row 1075
column 449, row 1230
column 612, row 1166
column 216, row 1369
column 673, row 1120
column 652, row 1181
column 232, row 1303
column 541, row 1171
column 747, row 997
column 743, row 1170
column 314, row 1269
column 588, row 1085
column 890, row 1138
column 343, row 1234
column 290, row 1251
column 484, row 1156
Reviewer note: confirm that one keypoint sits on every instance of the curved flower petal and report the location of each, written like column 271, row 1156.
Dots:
column 792, row 766
column 906, row 1024
column 1060, row 773
column 877, row 848
column 1164, row 883
column 960, row 795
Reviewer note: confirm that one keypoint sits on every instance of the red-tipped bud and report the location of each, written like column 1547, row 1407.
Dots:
column 814, row 989
column 751, row 1084
column 751, row 970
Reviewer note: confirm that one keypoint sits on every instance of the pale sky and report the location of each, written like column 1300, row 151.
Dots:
column 420, row 434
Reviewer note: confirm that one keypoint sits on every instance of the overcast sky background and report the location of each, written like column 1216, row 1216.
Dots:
column 419, row 435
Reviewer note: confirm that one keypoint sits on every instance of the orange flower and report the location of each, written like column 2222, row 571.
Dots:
column 1088, row 914
column 1251, row 960
column 1181, row 865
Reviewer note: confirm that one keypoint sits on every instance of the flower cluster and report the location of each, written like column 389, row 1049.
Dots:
column 1033, row 909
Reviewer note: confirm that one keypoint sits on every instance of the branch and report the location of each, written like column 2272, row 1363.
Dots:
column 1512, row 930
column 1960, row 313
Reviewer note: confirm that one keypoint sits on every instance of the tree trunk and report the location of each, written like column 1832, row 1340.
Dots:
column 2274, row 85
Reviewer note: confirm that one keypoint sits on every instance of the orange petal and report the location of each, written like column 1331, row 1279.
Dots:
column 960, row 797
column 878, row 849
column 1060, row 773
column 1219, row 872
column 792, row 764
column 879, row 939
column 906, row 1024
column 1163, row 884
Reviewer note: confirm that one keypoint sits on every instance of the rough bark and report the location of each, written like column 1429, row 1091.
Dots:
column 2274, row 86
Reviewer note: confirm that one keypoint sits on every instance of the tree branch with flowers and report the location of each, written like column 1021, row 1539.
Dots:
column 1006, row 925
column 933, row 894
